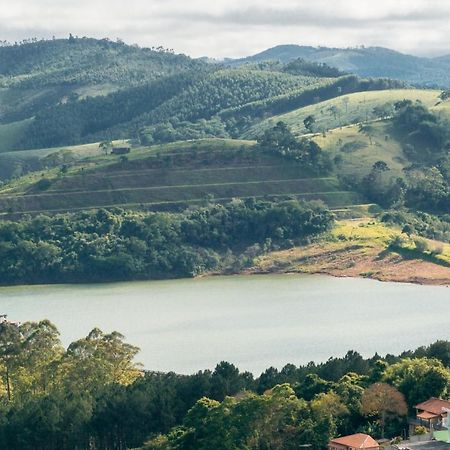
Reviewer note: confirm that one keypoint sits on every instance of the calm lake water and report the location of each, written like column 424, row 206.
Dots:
column 253, row 321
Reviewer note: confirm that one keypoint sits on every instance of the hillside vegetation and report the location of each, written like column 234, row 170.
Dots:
column 94, row 394
column 346, row 109
column 85, row 62
column 74, row 91
column 363, row 61
column 173, row 176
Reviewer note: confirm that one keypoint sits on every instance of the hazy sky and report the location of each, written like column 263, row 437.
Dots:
column 233, row 28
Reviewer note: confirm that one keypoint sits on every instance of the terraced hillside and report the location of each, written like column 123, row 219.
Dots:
column 170, row 177
column 345, row 110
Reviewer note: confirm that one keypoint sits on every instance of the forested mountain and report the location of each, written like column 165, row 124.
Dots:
column 193, row 95
column 38, row 75
column 66, row 92
column 362, row 61
column 85, row 61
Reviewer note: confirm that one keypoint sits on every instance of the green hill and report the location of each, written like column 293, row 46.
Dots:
column 69, row 92
column 170, row 177
column 79, row 62
column 345, row 109
column 41, row 75
column 191, row 96
column 364, row 62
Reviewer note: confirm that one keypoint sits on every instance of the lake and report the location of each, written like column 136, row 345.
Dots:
column 253, row 321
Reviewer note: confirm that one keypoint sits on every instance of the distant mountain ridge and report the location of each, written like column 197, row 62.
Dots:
column 364, row 62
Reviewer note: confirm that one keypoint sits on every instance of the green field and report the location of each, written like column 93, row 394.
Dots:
column 170, row 176
column 350, row 108
column 359, row 151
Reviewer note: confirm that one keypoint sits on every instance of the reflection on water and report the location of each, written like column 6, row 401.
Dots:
column 253, row 321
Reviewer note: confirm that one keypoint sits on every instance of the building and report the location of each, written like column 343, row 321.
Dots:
column 433, row 413
column 354, row 442
column 120, row 150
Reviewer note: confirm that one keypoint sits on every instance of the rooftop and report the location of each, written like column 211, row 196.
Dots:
column 358, row 440
column 434, row 405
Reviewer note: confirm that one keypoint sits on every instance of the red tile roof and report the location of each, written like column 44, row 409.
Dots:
column 427, row 415
column 359, row 440
column 434, row 405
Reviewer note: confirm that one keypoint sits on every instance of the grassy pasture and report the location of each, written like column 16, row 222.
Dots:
column 200, row 169
column 350, row 108
column 367, row 149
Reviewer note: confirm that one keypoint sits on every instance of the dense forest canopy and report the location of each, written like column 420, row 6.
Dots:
column 93, row 394
column 86, row 61
column 120, row 245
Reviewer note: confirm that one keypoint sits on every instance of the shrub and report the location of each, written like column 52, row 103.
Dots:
column 396, row 242
column 420, row 430
column 421, row 245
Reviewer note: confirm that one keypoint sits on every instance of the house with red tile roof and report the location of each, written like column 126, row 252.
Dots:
column 353, row 442
column 434, row 412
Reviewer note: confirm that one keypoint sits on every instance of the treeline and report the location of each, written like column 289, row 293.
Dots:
column 120, row 245
column 297, row 66
column 93, row 395
column 310, row 68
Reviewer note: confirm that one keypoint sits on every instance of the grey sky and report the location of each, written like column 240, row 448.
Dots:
column 221, row 28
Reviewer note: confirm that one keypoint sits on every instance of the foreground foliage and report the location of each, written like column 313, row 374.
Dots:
column 92, row 395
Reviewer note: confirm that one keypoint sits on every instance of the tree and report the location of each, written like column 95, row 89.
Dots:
column 335, row 111
column 382, row 400
column 10, row 345
column 105, row 147
column 99, row 359
column 309, row 123
column 226, row 380
column 441, row 351
column 444, row 95
column 367, row 130
column 418, row 379
column 383, row 111
column 346, row 102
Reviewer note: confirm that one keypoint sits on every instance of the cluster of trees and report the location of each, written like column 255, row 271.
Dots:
column 425, row 186
column 47, row 392
column 310, row 68
column 425, row 135
column 298, row 66
column 420, row 223
column 296, row 406
column 80, row 120
column 94, row 395
column 120, row 245
column 422, row 189
column 281, row 141
column 176, row 130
